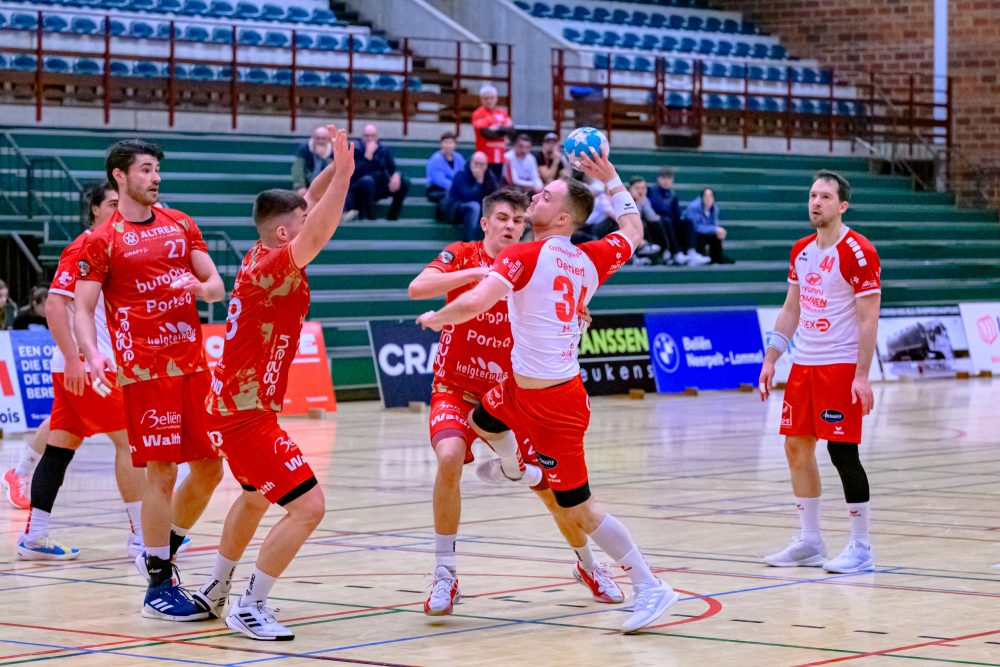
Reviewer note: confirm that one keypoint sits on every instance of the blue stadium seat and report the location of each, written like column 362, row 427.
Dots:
column 283, row 77
column 522, row 5
column 845, row 108
column 706, row 46
column 322, row 16
column 119, row 68
column 541, row 10
column 336, row 80
column 669, row 43
column 54, row 23
column 377, row 44
column 257, row 75
column 718, row 70
column 623, row 63
column 561, row 12
column 225, row 73
column 713, row 24
column 775, row 74
column 142, row 30
column 590, row 37
column 202, row 73
column 639, row 18
column 649, row 43
column 581, row 13
column 823, row 107
column 641, row 64
column 748, row 28
column 221, row 35
column 362, row 81
column 327, row 43
column 681, row 66
column 354, row 43
column 272, row 12
column 386, row 82
column 221, row 9
column 415, row 83
column 297, row 14
column 737, row 71
column 714, row 101
column 730, row 27
column 600, row 15
column 114, row 4
column 676, row 22
column 146, row 70
column 246, row 10
column 630, row 40
column 309, row 78
column 687, row 45
column 723, row 48
column 657, row 20
column 678, row 100
column 778, row 52
column 809, row 75
column 275, row 39
column 118, row 28
column 194, row 8
column 601, row 61
column 168, row 6
column 196, row 33
column 55, row 65
column 694, row 23
column 181, row 72
column 734, row 102
column 610, row 39
column 142, row 5
column 87, row 66
column 248, row 37
column 804, row 106
column 755, row 104
column 163, row 31
column 21, row 21
column 303, row 41
column 759, row 51
column 755, row 72
column 620, row 17
column 794, row 75
column 774, row 104
column 571, row 34
column 742, row 50
column 825, row 76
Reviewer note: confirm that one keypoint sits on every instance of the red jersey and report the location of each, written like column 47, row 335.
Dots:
column 155, row 329
column 269, row 302
column 483, row 118
column 829, row 280
column 475, row 355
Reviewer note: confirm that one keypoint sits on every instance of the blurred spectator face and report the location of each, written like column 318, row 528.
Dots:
column 478, row 165
column 104, row 210
column 549, row 144
column 504, row 226
column 522, row 147
column 666, row 181
column 638, row 191
column 321, row 141
column 38, row 297
column 4, row 293
column 489, row 100
column 707, row 199
column 369, row 134
column 448, row 147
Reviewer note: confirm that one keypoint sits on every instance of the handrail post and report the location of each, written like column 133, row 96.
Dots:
column 830, row 111
column 107, row 69
column 746, row 106
column 607, row 101
column 293, row 92
column 350, row 83
column 510, row 78
column 233, row 92
column 172, row 78
column 406, row 86
column 911, row 119
column 39, row 50
column 458, row 87
column 788, row 112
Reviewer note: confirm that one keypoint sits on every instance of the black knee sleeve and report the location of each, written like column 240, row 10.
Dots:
column 488, row 422
column 573, row 497
column 49, row 477
column 844, row 456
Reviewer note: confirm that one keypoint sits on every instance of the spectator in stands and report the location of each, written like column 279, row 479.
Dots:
column 311, row 158
column 602, row 219
column 704, row 213
column 32, row 316
column 551, row 161
column 491, row 125
column 520, row 169
column 441, row 170
column 464, row 205
column 679, row 230
column 8, row 309
column 656, row 239
column 375, row 177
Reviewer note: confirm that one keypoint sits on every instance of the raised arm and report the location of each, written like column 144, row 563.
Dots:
column 478, row 300
column 599, row 167
column 324, row 218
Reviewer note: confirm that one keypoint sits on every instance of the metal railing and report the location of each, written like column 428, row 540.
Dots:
column 14, row 167
column 54, row 195
column 227, row 260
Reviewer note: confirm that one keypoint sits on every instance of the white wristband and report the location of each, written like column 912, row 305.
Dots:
column 778, row 341
column 623, row 204
column 613, row 183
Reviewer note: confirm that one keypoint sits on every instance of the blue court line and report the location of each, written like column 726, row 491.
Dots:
column 82, row 651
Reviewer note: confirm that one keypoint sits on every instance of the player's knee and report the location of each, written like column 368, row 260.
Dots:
column 310, row 507
column 573, row 498
column 450, row 454
column 800, row 451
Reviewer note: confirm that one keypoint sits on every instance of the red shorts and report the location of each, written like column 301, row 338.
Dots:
column 86, row 415
column 167, row 419
column 450, row 419
column 260, row 453
column 555, row 419
column 818, row 403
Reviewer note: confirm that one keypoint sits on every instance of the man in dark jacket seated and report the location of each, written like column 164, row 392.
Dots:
column 375, row 178
column 464, row 204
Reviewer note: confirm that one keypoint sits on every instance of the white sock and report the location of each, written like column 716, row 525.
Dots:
column 614, row 539
column 38, row 524
column 510, row 457
column 444, row 551
column 809, row 519
column 134, row 511
column 162, row 553
column 585, row 555
column 26, row 464
column 223, row 570
column 258, row 588
column 177, row 530
column 859, row 521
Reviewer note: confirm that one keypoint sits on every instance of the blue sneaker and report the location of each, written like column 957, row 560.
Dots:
column 44, row 548
column 170, row 602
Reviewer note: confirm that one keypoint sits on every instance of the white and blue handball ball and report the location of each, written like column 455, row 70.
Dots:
column 582, row 140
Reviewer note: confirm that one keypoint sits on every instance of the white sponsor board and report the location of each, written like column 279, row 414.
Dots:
column 982, row 326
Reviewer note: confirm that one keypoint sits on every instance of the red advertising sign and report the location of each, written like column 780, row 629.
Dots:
column 309, row 382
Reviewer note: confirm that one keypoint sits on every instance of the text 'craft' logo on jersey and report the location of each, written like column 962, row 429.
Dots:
column 989, row 328
column 130, row 238
column 665, row 353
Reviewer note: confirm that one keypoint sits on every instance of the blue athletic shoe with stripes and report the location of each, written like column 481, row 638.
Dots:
column 170, row 602
column 44, row 548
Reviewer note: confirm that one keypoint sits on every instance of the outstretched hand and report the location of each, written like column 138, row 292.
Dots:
column 598, row 166
column 343, row 153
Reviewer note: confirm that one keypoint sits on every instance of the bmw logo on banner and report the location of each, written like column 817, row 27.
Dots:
column 707, row 350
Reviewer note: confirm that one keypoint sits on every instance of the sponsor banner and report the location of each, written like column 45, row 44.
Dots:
column 982, row 326
column 614, row 355
column 922, row 342
column 404, row 361
column 707, row 350
column 32, row 356
column 12, row 419
column 309, row 381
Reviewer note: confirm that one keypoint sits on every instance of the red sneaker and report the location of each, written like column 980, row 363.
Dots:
column 444, row 593
column 601, row 585
column 17, row 490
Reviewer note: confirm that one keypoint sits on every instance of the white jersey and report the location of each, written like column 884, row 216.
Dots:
column 551, row 279
column 830, row 280
column 64, row 283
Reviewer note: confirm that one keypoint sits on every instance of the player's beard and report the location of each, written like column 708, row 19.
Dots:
column 141, row 195
column 819, row 222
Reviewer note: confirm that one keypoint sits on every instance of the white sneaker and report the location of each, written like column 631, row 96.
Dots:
column 681, row 258
column 856, row 557
column 649, row 604
column 134, row 545
column 695, row 258
column 600, row 582
column 444, row 593
column 492, row 473
column 44, row 548
column 257, row 621
column 212, row 596
column 799, row 553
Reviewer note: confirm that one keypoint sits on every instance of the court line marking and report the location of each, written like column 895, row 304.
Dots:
column 897, row 649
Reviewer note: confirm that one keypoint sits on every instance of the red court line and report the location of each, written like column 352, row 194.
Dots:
column 714, row 607
column 887, row 651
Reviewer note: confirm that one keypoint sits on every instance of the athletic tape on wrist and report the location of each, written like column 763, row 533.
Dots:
column 623, row 204
column 778, row 341
column 613, row 183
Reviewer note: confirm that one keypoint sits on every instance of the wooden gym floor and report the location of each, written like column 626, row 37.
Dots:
column 701, row 482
